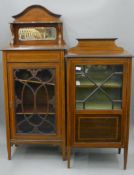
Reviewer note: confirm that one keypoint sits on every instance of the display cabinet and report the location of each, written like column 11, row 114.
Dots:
column 98, row 83
column 34, row 80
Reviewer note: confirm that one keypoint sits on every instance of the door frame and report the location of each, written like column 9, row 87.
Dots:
column 36, row 65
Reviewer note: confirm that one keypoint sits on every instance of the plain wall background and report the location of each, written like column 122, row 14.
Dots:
column 82, row 19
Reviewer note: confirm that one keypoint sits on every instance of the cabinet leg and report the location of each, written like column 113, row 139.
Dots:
column 119, row 150
column 64, row 152
column 125, row 157
column 68, row 157
column 9, row 151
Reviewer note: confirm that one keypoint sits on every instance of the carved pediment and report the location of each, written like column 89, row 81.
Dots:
column 36, row 13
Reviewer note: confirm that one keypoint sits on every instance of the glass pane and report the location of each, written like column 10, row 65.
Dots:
column 37, row 33
column 35, row 124
column 35, row 101
column 99, row 87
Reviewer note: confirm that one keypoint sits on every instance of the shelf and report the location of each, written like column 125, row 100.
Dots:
column 40, row 110
column 39, row 113
column 88, row 84
column 99, row 106
column 36, row 82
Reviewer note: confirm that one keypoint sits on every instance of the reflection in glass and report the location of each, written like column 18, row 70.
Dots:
column 99, row 87
column 37, row 33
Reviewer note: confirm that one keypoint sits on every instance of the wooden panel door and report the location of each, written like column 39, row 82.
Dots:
column 34, row 99
column 97, row 128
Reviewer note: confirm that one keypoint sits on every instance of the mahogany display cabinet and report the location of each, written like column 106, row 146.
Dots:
column 98, row 96
column 34, row 80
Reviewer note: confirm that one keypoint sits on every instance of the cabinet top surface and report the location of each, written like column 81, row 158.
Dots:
column 97, row 47
column 38, row 48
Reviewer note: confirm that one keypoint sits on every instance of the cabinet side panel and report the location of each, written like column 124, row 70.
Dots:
column 128, row 100
column 62, row 103
column 5, row 76
column 69, row 107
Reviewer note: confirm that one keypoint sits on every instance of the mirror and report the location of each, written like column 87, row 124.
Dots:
column 37, row 33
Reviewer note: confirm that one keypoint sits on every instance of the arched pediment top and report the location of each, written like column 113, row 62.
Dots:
column 36, row 13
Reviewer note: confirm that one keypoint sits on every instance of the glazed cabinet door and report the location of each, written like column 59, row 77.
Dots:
column 98, row 105
column 34, row 100
column 99, row 87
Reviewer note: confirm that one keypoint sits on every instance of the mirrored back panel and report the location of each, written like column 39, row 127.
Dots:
column 37, row 33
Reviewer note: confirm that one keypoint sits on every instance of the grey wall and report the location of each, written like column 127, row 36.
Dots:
column 82, row 18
